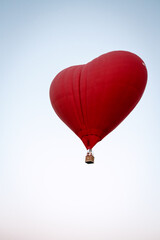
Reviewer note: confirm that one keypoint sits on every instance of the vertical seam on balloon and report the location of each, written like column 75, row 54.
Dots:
column 73, row 93
column 80, row 100
column 86, row 97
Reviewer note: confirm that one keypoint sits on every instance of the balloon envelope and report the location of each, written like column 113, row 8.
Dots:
column 92, row 99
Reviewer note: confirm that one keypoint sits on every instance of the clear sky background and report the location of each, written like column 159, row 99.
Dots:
column 47, row 192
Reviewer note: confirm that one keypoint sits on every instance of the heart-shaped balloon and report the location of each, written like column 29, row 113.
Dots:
column 92, row 99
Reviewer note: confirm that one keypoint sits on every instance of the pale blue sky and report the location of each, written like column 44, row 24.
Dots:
column 46, row 190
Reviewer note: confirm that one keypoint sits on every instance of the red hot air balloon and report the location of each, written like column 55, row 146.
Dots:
column 94, row 98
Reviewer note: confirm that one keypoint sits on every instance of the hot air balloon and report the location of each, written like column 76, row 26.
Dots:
column 94, row 98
